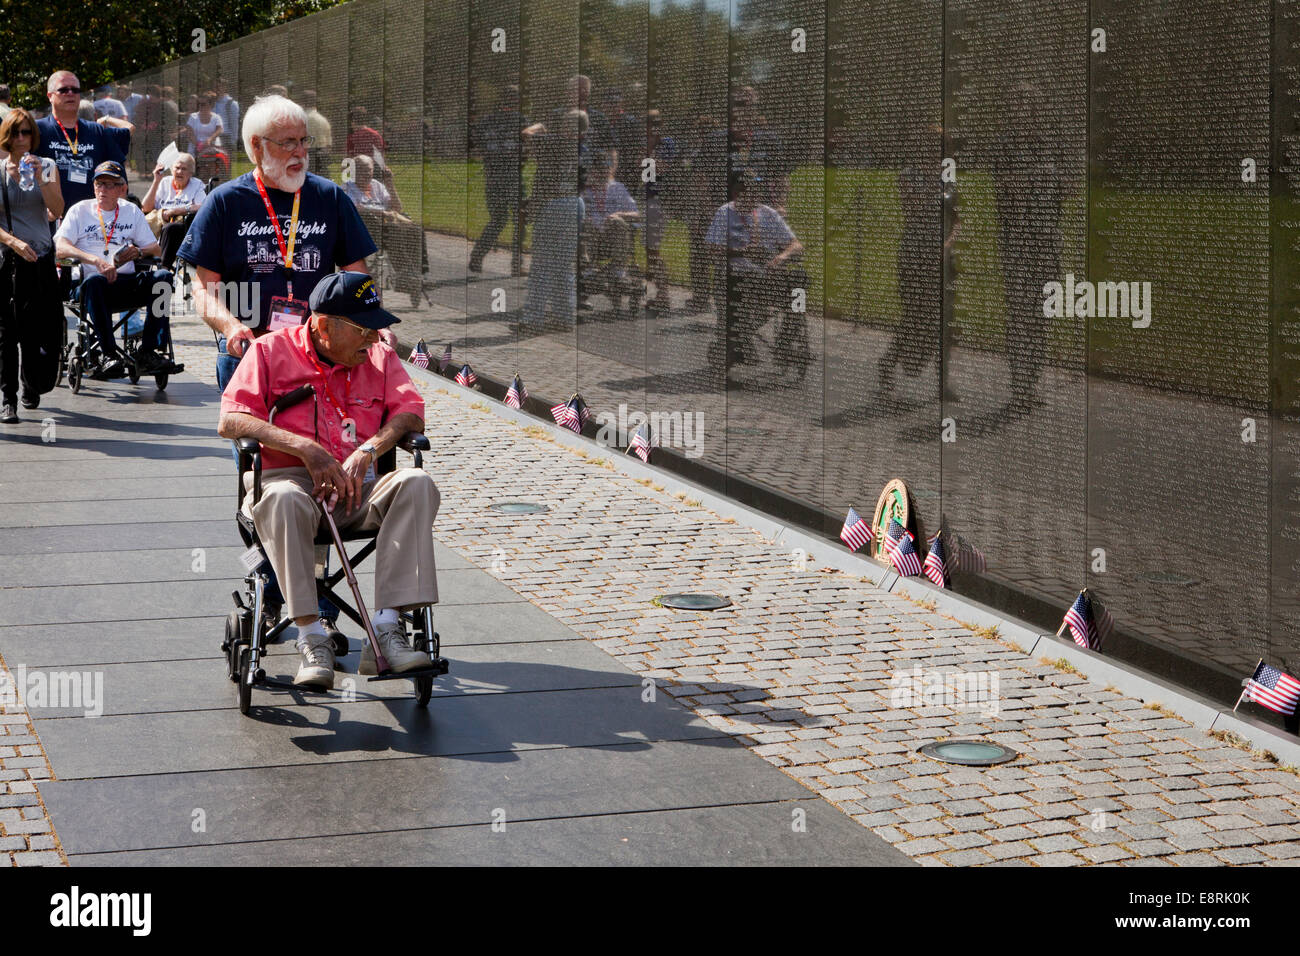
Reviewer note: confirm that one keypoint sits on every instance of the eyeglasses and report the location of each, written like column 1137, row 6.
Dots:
column 360, row 328
column 68, row 89
column 291, row 145
column 24, row 132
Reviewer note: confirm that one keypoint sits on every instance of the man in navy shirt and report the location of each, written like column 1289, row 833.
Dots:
column 261, row 243
column 239, row 251
column 77, row 146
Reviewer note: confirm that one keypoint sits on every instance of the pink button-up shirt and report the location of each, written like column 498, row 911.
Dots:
column 370, row 393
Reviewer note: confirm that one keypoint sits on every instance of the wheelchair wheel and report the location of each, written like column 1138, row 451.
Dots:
column 233, row 639
column 132, row 371
column 421, row 642
column 160, row 380
column 245, row 688
column 74, row 374
column 423, row 690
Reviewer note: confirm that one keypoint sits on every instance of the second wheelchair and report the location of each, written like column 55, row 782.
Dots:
column 83, row 354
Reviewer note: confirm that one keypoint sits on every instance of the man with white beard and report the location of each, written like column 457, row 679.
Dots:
column 262, row 241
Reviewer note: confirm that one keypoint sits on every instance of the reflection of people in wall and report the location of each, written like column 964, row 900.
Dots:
column 703, row 192
column 609, row 212
column 758, row 253
column 1029, row 184
column 497, row 138
column 557, row 215
column 319, row 129
column 659, row 202
column 920, row 282
column 400, row 238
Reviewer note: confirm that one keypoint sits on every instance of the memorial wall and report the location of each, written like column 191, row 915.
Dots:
column 1037, row 258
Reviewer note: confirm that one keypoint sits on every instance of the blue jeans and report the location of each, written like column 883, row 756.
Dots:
column 226, row 365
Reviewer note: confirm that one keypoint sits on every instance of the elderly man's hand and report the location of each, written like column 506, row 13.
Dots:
column 330, row 483
column 355, row 468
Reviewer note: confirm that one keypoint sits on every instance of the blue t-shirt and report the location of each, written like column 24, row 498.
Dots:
column 95, row 143
column 233, row 236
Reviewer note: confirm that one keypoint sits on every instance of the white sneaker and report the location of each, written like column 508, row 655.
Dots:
column 317, row 666
column 396, row 646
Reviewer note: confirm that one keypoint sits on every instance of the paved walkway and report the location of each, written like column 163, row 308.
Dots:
column 552, row 636
column 119, row 557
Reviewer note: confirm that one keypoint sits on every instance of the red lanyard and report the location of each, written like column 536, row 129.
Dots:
column 329, row 392
column 76, row 128
column 286, row 250
column 108, row 233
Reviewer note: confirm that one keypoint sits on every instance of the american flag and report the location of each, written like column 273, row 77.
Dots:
column 569, row 415
column 584, row 415
column 1270, row 688
column 968, row 558
column 446, row 358
column 936, row 562
column 856, row 532
column 641, row 442
column 906, row 560
column 420, row 355
column 893, row 535
column 466, row 377
column 516, row 395
column 1102, row 620
column 1079, row 620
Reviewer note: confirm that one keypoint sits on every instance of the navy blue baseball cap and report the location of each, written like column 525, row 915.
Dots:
column 352, row 295
column 110, row 168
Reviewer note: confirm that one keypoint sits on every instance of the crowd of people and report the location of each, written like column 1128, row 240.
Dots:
column 298, row 242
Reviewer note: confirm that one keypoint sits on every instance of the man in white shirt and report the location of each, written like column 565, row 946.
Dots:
column 106, row 234
column 105, row 105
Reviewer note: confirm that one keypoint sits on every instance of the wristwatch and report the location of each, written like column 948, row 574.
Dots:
column 371, row 450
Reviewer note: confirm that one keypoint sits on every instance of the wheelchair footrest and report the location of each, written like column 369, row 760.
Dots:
column 439, row 667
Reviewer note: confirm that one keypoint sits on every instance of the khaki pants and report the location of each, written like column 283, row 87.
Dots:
column 401, row 505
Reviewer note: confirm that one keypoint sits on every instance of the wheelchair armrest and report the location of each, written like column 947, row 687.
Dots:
column 415, row 443
column 250, row 457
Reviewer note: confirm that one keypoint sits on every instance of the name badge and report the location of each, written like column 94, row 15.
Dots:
column 77, row 175
column 287, row 313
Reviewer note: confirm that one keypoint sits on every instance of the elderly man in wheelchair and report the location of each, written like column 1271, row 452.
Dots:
column 321, row 451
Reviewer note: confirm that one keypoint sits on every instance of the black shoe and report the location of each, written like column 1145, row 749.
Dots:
column 31, row 400
column 8, row 413
column 113, row 368
column 340, row 640
column 149, row 362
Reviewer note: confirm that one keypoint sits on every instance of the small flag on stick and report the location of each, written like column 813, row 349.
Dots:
column 1271, row 688
column 856, row 532
column 1088, row 625
column 466, row 377
column 907, row 561
column 516, row 395
column 936, row 562
column 572, row 414
column 893, row 535
column 420, row 355
column 446, row 358
column 641, row 442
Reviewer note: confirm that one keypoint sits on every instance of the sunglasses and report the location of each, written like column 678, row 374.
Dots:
column 24, row 132
column 68, row 89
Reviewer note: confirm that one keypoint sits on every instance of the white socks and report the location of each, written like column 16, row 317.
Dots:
column 384, row 616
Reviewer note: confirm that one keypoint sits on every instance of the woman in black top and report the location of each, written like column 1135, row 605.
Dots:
column 31, row 309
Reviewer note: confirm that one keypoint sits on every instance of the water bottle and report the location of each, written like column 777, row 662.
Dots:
column 27, row 174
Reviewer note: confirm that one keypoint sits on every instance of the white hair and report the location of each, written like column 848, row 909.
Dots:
column 267, row 112
column 188, row 160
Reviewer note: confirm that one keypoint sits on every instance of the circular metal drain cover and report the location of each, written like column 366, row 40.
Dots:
column 1166, row 577
column 693, row 602
column 520, row 507
column 972, row 753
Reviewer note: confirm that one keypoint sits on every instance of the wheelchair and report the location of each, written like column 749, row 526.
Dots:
column 82, row 357
column 249, row 629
